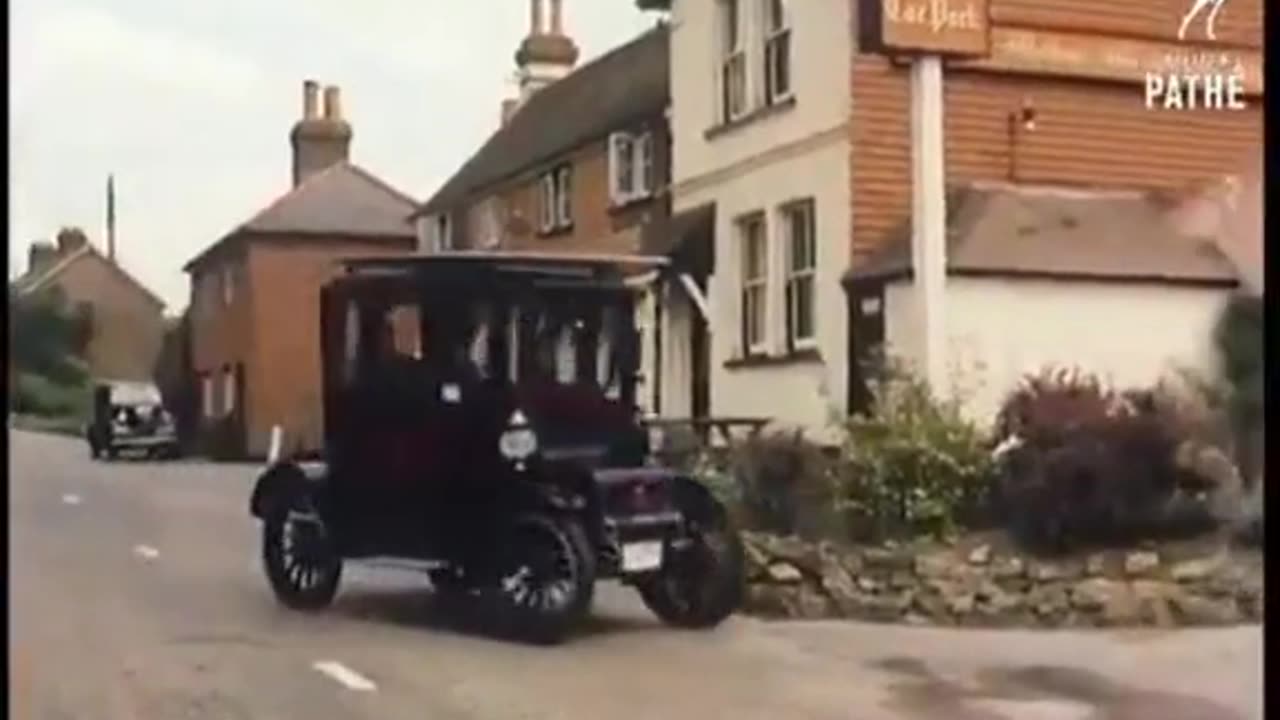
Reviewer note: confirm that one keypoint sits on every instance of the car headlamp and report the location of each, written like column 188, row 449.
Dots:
column 518, row 442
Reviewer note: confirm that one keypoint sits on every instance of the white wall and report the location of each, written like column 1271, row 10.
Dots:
column 794, row 153
column 1000, row 329
column 821, row 52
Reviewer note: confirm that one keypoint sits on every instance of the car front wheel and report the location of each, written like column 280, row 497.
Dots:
column 546, row 579
column 299, row 556
column 701, row 584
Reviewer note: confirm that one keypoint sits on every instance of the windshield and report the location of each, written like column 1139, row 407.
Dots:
column 135, row 394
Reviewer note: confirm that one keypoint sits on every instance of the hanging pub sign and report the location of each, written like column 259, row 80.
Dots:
column 941, row 27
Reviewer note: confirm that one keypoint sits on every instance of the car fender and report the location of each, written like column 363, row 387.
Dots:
column 693, row 497
column 281, row 480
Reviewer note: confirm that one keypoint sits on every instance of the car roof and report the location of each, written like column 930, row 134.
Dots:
column 599, row 271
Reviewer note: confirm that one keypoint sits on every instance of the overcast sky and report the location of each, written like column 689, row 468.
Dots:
column 190, row 105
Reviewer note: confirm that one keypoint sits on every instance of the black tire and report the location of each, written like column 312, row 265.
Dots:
column 546, row 579
column 299, row 557
column 701, row 585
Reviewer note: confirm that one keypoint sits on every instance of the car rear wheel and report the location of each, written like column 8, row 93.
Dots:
column 298, row 553
column 701, row 584
column 546, row 579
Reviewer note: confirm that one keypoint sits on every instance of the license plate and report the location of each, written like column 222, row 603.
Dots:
column 641, row 556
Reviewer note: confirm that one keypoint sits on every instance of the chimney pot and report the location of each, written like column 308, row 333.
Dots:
column 557, row 17
column 535, row 17
column 310, row 100
column 332, row 103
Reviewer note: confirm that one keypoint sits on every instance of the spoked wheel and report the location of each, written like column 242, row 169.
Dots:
column 701, row 584
column 546, row 579
column 299, row 556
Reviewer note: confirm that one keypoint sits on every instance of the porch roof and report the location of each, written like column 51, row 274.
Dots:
column 1006, row 230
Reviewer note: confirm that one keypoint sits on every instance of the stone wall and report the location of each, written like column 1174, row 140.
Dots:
column 972, row 583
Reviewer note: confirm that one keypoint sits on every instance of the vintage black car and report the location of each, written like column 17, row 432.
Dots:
column 130, row 416
column 480, row 420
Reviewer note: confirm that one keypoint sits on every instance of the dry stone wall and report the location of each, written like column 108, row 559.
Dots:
column 977, row 585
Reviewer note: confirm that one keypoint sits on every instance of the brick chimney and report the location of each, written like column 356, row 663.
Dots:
column 41, row 257
column 321, row 139
column 71, row 239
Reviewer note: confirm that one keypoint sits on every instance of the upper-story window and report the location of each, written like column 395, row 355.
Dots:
column 777, row 51
column 555, row 206
column 435, row 233
column 632, row 174
column 229, row 288
column 733, row 61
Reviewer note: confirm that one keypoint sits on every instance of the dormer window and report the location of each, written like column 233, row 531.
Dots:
column 632, row 173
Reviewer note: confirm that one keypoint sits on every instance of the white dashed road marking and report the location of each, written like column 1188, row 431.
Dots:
column 71, row 499
column 349, row 678
column 146, row 552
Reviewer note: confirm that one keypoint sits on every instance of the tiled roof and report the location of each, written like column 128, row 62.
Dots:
column 622, row 86
column 1008, row 230
column 344, row 200
column 28, row 283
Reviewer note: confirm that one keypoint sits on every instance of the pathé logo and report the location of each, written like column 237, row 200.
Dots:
column 1198, row 6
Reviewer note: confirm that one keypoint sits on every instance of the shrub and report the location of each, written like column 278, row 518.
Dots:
column 1090, row 465
column 1238, row 341
column 783, row 483
column 38, row 395
column 913, row 466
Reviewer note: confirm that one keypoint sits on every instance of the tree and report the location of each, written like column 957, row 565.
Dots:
column 48, row 338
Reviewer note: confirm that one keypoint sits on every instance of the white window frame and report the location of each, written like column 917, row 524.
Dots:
column 547, row 203
column 441, row 232
column 754, row 289
column 228, row 282
column 555, row 199
column 776, row 40
column 564, row 196
column 206, row 395
column 732, row 61
column 632, row 167
column 794, row 275
column 228, row 391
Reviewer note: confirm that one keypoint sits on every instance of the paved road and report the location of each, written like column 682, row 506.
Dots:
column 136, row 595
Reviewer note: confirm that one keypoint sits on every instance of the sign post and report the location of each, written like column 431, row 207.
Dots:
column 927, row 31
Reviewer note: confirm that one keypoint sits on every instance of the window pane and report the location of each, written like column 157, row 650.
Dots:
column 777, row 14
column 626, row 165
column 802, row 300
column 647, row 173
column 729, row 18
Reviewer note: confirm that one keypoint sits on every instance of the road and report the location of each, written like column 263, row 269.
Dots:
column 136, row 595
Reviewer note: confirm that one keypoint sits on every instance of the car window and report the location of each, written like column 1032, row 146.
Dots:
column 135, row 394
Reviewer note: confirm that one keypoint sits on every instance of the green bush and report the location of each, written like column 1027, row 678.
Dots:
column 1238, row 341
column 912, row 466
column 38, row 395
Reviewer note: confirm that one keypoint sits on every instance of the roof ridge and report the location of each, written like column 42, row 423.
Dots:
column 84, row 251
column 547, row 96
column 382, row 184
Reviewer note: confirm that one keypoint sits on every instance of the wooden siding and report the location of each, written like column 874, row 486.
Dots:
column 1238, row 24
column 1087, row 132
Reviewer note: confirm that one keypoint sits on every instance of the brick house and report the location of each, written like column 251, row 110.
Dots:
column 580, row 161
column 127, row 318
column 810, row 176
column 254, row 311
